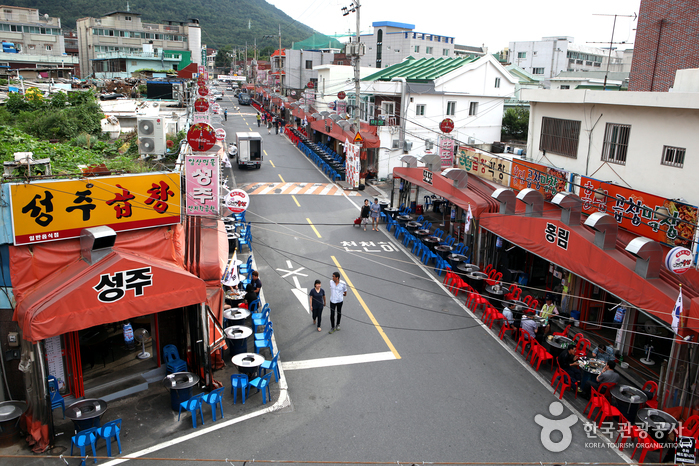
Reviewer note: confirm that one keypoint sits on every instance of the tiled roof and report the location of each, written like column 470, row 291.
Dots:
column 421, row 70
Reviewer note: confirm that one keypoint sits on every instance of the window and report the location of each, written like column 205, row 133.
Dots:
column 521, row 54
column 30, row 47
column 387, row 108
column 420, row 110
column 451, row 108
column 537, row 71
column 127, row 18
column 473, row 108
column 560, row 136
column 445, row 52
column 673, row 156
column 616, row 143
column 565, row 86
column 309, row 64
column 497, row 82
column 49, row 48
column 428, row 50
column 417, row 49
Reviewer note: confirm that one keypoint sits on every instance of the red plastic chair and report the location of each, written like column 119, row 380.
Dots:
column 564, row 333
column 507, row 326
column 596, row 401
column 528, row 299
column 690, row 427
column 534, row 304
column 564, row 383
column 487, row 269
column 608, row 411
column 525, row 339
column 653, row 388
column 514, row 294
column 494, row 278
column 542, row 356
column 577, row 337
column 493, row 316
column 581, row 347
column 645, row 442
column 531, row 355
column 475, row 301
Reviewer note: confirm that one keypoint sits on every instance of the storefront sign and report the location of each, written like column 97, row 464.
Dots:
column 237, row 201
column 201, row 173
column 54, row 358
column 352, row 163
column 641, row 213
column 56, row 210
column 446, row 151
column 558, row 235
column 201, row 105
column 203, row 91
column 446, row 125
column 220, row 134
column 485, row 166
column 341, row 95
column 427, row 176
column 685, row 450
column 678, row 260
column 201, row 137
column 548, row 181
column 113, row 287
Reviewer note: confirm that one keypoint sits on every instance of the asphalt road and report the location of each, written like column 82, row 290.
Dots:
column 411, row 377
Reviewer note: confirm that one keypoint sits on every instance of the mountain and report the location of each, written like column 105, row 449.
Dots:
column 223, row 22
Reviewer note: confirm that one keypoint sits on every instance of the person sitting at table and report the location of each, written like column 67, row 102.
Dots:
column 568, row 361
column 529, row 326
column 255, row 282
column 547, row 310
column 605, row 353
column 608, row 375
column 250, row 294
column 507, row 313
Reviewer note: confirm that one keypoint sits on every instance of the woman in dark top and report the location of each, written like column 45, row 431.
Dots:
column 317, row 302
column 366, row 210
column 250, row 295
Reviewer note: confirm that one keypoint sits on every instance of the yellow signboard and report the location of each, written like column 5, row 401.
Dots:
column 55, row 210
column 485, row 166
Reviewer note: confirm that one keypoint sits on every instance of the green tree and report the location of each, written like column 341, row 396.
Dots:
column 515, row 124
column 223, row 57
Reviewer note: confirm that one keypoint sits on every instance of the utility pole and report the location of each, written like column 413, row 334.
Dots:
column 611, row 43
column 356, row 52
column 281, row 76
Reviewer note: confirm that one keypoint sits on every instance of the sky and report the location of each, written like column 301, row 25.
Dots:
column 492, row 23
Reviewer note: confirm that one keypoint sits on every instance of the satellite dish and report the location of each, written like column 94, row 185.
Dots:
column 141, row 334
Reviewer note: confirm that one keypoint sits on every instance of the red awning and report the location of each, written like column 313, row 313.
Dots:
column 444, row 187
column 612, row 270
column 82, row 295
column 369, row 140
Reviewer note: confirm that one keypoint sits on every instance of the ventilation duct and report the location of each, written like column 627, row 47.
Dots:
column 606, row 229
column 432, row 162
column 507, row 199
column 649, row 256
column 459, row 177
column 409, row 160
column 534, row 201
column 571, row 206
column 96, row 243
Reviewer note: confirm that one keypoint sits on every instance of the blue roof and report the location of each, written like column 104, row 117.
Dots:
column 391, row 24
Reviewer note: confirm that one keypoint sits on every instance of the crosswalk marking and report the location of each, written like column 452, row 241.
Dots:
column 320, row 189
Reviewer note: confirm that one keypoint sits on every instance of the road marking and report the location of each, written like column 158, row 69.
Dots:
column 338, row 361
column 272, row 164
column 280, row 177
column 314, row 228
column 366, row 309
column 297, row 202
column 264, row 151
column 292, row 272
column 322, row 189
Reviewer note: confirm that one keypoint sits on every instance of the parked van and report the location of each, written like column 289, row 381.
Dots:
column 249, row 150
column 243, row 99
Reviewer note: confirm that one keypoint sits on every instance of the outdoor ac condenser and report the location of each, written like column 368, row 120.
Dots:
column 151, row 136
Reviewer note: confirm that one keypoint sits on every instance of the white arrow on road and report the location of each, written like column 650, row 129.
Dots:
column 300, row 293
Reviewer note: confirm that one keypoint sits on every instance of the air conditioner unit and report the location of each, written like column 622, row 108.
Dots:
column 395, row 144
column 151, row 136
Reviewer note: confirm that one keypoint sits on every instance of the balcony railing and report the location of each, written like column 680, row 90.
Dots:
column 139, row 55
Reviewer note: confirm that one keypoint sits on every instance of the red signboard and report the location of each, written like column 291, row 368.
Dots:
column 447, row 125
column 341, row 95
column 642, row 213
column 203, row 90
column 549, row 181
column 310, row 85
column 237, row 201
column 201, row 105
column 201, row 137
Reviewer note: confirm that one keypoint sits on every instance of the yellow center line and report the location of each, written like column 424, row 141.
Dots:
column 272, row 163
column 264, row 151
column 366, row 309
column 280, row 177
column 312, row 226
column 297, row 202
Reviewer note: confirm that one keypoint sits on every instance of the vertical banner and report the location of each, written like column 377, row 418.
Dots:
column 54, row 357
column 201, row 175
column 352, row 164
column 446, row 151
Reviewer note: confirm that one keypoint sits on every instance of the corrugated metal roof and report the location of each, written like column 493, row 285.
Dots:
column 420, row 70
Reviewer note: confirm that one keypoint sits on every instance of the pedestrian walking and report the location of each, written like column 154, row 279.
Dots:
column 316, row 300
column 375, row 211
column 338, row 291
column 276, row 125
column 259, row 120
column 269, row 125
column 225, row 114
column 364, row 215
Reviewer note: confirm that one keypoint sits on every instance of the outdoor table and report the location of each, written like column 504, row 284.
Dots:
column 431, row 241
column 467, row 268
column 233, row 237
column 180, row 385
column 628, row 400
column 235, row 316
column 235, row 297
column 237, row 338
column 10, row 412
column 657, row 423
column 384, row 205
column 86, row 413
column 556, row 344
column 420, row 233
column 413, row 226
column 476, row 280
column 403, row 219
column 455, row 260
column 443, row 250
column 496, row 294
column 248, row 363
column 590, row 369
column 392, row 211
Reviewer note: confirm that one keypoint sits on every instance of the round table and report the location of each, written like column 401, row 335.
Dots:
column 431, row 241
column 86, row 413
column 180, row 385
column 456, row 259
column 392, row 211
column 590, row 369
column 237, row 338
column 234, row 298
column 404, row 219
column 467, row 268
column 235, row 316
column 10, row 412
column 421, row 233
column 657, row 423
column 556, row 344
column 413, row 226
column 628, row 400
column 496, row 294
column 476, row 280
column 248, row 363
column 443, row 250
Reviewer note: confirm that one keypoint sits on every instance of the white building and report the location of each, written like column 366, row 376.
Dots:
column 469, row 91
column 392, row 42
column 641, row 140
column 551, row 55
column 333, row 79
column 299, row 66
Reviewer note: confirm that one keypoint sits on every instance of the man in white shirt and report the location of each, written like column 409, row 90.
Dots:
column 338, row 291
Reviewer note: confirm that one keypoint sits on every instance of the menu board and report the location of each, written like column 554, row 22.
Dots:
column 638, row 212
column 54, row 356
column 548, row 181
column 485, row 166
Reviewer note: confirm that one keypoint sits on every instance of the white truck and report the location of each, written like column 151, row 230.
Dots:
column 249, row 150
